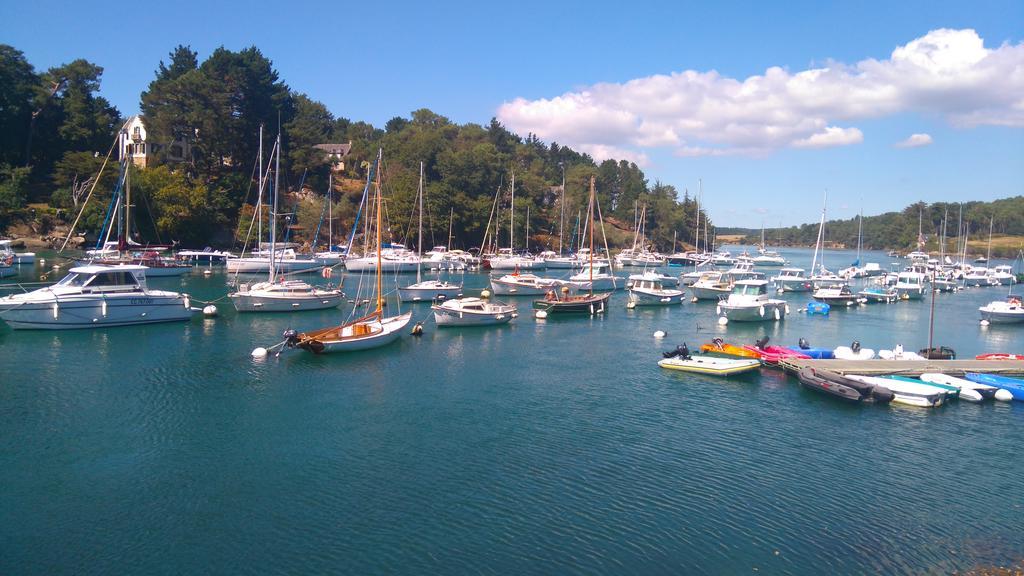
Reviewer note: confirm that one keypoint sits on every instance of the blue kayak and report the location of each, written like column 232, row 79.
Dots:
column 1014, row 386
column 817, row 353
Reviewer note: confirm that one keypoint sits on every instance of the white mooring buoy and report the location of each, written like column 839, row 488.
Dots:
column 722, row 320
column 659, row 334
column 259, row 352
column 541, row 314
column 210, row 311
column 485, row 293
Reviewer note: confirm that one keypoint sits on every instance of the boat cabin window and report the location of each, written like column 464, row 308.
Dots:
column 73, row 279
column 749, row 289
column 113, row 278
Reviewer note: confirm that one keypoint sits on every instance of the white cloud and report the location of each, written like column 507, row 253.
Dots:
column 831, row 136
column 947, row 73
column 915, row 141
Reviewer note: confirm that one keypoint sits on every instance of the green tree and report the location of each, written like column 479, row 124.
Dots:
column 18, row 82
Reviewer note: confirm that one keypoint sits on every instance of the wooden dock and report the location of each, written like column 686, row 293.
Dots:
column 907, row 367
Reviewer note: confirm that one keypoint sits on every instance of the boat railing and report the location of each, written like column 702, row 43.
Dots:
column 23, row 287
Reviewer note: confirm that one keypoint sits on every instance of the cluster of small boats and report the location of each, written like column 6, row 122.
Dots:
column 930, row 389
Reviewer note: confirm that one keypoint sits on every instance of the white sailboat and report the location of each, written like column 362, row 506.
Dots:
column 260, row 261
column 508, row 259
column 277, row 293
column 370, row 331
column 426, row 290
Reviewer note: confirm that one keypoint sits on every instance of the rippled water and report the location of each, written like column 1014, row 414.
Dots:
column 538, row 447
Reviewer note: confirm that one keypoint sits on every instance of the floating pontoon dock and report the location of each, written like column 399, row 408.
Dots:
column 906, row 367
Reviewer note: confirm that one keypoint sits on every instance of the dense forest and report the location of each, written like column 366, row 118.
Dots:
column 899, row 230
column 57, row 132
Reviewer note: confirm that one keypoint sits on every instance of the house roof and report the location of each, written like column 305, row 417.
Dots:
column 338, row 149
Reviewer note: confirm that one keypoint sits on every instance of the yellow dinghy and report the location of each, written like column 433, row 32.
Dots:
column 710, row 365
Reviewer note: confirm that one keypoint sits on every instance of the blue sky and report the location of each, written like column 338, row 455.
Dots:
column 522, row 61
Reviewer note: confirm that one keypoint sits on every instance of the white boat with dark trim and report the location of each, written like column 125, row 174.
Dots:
column 711, row 286
column 836, row 295
column 598, row 281
column 205, row 257
column 472, row 312
column 517, row 284
column 911, row 285
column 792, row 280
column 1009, row 311
column 647, row 290
column 750, row 302
column 95, row 296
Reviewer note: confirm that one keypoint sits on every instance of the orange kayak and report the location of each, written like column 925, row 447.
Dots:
column 719, row 348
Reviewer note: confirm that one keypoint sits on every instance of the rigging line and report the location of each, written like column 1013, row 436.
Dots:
column 91, row 190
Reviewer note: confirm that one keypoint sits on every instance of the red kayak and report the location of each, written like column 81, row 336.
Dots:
column 999, row 356
column 772, row 354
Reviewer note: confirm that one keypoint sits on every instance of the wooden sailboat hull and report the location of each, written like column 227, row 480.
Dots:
column 593, row 304
column 359, row 335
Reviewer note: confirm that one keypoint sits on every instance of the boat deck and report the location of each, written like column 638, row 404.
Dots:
column 906, row 367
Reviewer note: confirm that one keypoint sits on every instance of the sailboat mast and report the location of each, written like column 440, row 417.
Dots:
column 259, row 199
column 561, row 217
column 527, row 244
column 821, row 226
column 273, row 213
column 590, row 216
column 512, row 215
column 380, row 295
column 696, row 232
column 451, row 221
column 991, row 220
column 330, row 217
column 419, row 241
column 127, row 204
column 860, row 233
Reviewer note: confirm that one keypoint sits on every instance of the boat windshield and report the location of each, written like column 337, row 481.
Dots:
column 748, row 289
column 73, row 279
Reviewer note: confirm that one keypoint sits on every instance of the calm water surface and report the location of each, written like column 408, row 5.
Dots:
column 542, row 447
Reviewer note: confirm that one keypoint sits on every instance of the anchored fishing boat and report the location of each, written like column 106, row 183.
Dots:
column 749, row 302
column 472, row 312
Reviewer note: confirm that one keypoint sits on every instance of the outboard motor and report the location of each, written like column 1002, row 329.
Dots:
column 761, row 343
column 803, row 344
column 683, row 351
column 291, row 337
column 882, row 395
column 855, row 346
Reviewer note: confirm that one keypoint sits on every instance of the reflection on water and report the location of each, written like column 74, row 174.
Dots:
column 555, row 446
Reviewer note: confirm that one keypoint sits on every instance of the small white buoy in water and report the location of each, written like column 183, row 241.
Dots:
column 694, row 300
column 42, row 260
column 722, row 320
column 417, row 329
column 259, row 352
column 210, row 311
column 541, row 314
column 984, row 322
column 207, row 272
column 659, row 334
column 631, row 304
column 485, row 293
column 55, row 267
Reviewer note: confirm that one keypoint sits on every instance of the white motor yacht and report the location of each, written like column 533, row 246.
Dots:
column 647, row 290
column 95, row 296
column 524, row 285
column 750, row 302
column 472, row 312
column 598, row 281
column 711, row 286
column 286, row 296
column 911, row 285
column 792, row 280
column 1009, row 311
column 1003, row 275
